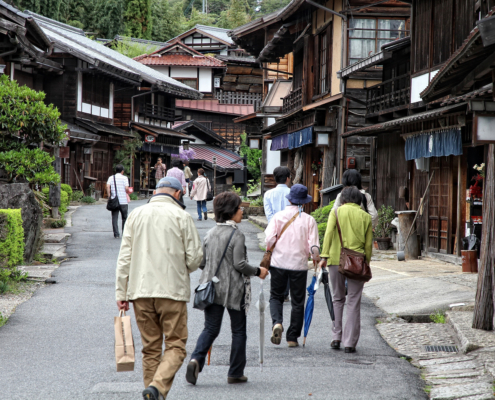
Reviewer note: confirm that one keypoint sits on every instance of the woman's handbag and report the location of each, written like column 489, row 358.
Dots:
column 209, row 193
column 352, row 263
column 267, row 257
column 113, row 204
column 205, row 293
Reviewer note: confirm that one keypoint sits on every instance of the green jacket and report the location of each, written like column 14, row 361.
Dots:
column 357, row 233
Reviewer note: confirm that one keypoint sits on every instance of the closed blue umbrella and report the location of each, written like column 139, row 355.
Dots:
column 310, row 305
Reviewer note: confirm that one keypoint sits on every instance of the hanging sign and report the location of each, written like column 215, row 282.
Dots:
column 149, row 139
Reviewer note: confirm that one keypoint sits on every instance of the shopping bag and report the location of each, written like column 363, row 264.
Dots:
column 124, row 344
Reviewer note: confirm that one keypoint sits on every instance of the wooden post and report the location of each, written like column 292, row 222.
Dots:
column 458, row 235
column 54, row 193
column 483, row 307
column 214, row 178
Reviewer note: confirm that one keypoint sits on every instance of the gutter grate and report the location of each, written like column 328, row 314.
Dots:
column 447, row 349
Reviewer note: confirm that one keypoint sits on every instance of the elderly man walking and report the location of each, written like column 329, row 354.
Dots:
column 290, row 262
column 160, row 248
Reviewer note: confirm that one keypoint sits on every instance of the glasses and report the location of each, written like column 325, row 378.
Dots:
column 241, row 208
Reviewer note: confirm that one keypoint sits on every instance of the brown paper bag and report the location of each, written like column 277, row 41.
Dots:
column 124, row 344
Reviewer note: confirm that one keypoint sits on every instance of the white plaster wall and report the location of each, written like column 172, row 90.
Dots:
column 205, row 80
column 163, row 70
column 272, row 158
column 419, row 83
column 182, row 72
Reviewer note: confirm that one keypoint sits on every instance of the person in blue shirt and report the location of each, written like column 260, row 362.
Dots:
column 275, row 200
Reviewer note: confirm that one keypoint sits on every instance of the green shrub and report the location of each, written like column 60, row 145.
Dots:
column 87, row 199
column 134, row 196
column 11, row 238
column 385, row 217
column 438, row 317
column 66, row 188
column 64, row 202
column 258, row 202
column 58, row 223
column 34, row 165
column 3, row 320
column 321, row 231
column 4, row 286
column 77, row 195
column 321, row 214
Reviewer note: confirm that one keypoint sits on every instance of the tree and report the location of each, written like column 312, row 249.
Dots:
column 168, row 20
column 111, row 20
column 253, row 158
column 200, row 18
column 127, row 153
column 269, row 6
column 137, row 19
column 236, row 15
column 24, row 116
column 133, row 49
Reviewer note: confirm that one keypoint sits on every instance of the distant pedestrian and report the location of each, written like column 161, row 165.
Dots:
column 178, row 174
column 199, row 193
column 275, row 201
column 160, row 170
column 160, row 248
column 188, row 175
column 289, row 262
column 352, row 177
column 118, row 185
column 232, row 291
column 357, row 234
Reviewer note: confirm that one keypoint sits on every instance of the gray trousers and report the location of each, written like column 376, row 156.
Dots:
column 352, row 327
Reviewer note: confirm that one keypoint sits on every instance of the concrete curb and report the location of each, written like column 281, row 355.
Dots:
column 259, row 220
column 469, row 338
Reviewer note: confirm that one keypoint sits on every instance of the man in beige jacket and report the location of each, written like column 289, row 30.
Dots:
column 160, row 248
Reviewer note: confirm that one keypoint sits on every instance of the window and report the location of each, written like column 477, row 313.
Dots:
column 323, row 63
column 95, row 96
column 191, row 82
column 367, row 36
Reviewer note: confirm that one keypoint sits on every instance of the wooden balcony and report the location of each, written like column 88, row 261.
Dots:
column 159, row 112
column 228, row 97
column 389, row 95
column 293, row 101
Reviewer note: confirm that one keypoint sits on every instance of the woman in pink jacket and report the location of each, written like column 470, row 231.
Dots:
column 199, row 193
column 289, row 262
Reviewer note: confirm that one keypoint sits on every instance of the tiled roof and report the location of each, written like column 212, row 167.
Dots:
column 181, row 60
column 90, row 50
column 182, row 126
column 98, row 127
column 214, row 106
column 224, row 157
column 219, row 33
column 485, row 90
column 156, row 130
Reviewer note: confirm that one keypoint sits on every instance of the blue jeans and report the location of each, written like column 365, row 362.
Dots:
column 201, row 206
column 213, row 322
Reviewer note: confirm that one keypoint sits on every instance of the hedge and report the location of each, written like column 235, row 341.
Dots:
column 11, row 238
column 64, row 199
column 66, row 188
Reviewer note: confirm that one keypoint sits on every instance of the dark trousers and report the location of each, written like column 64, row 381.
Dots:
column 297, row 283
column 213, row 322
column 115, row 218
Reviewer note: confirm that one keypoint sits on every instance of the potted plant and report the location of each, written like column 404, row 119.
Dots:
column 384, row 227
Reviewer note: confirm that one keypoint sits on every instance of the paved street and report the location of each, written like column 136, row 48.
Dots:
column 59, row 344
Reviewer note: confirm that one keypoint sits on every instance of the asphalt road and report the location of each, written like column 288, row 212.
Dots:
column 59, row 344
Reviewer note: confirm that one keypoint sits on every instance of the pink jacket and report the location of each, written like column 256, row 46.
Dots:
column 200, row 188
column 294, row 246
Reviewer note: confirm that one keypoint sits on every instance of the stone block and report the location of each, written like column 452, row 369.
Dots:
column 19, row 195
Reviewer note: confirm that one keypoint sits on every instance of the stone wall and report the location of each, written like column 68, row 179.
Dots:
column 19, row 195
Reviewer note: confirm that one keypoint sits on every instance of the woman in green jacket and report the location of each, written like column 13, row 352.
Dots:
column 357, row 234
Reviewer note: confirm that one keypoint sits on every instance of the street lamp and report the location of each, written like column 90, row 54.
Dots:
column 2, row 68
column 254, row 143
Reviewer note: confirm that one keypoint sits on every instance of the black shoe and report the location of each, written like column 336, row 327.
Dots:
column 335, row 344
column 350, row 349
column 286, row 299
column 242, row 379
column 192, row 372
column 151, row 393
column 206, row 216
column 116, row 236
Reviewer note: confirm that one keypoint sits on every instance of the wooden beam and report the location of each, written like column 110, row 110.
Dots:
column 482, row 69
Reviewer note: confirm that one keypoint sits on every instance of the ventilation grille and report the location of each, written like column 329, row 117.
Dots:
column 447, row 349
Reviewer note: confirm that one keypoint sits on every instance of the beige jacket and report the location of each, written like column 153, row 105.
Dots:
column 371, row 207
column 200, row 188
column 160, row 248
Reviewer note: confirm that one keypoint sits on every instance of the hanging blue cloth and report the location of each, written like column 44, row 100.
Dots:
column 435, row 144
column 301, row 138
column 280, row 142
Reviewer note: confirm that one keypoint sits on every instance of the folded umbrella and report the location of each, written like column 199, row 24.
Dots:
column 328, row 294
column 261, row 304
column 310, row 305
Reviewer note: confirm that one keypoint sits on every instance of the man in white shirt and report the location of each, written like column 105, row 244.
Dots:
column 118, row 185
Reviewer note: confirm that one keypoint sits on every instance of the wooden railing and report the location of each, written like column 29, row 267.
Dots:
column 159, row 112
column 389, row 94
column 292, row 101
column 227, row 97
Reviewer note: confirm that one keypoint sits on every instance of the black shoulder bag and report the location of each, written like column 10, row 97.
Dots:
column 205, row 293
column 113, row 204
column 209, row 193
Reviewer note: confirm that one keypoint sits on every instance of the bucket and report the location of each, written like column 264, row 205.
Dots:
column 469, row 261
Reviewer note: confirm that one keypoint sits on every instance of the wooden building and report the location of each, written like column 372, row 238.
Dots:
column 423, row 124
column 321, row 39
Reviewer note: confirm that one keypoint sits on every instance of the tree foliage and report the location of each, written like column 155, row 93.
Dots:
column 24, row 115
column 168, row 20
column 137, row 19
column 127, row 153
column 133, row 49
column 236, row 15
column 253, row 158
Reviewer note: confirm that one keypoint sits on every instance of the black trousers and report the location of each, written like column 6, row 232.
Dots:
column 297, row 282
column 213, row 322
column 115, row 218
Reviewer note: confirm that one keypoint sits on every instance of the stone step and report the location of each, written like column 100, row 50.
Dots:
column 56, row 237
column 450, row 392
column 470, row 339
